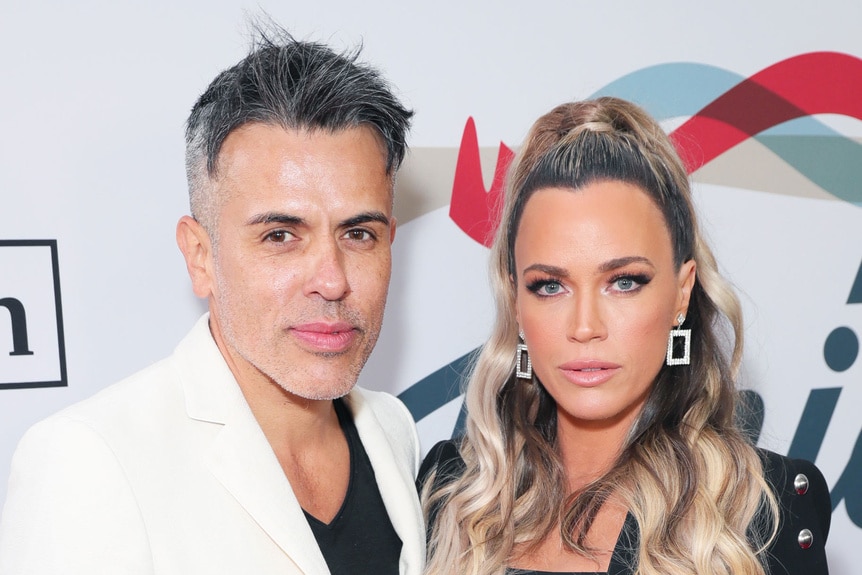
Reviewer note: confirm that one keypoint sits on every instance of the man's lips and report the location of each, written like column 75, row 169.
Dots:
column 326, row 337
column 589, row 373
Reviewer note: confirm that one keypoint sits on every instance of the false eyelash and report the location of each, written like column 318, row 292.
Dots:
column 535, row 285
column 641, row 279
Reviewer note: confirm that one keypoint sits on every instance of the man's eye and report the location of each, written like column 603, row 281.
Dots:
column 359, row 235
column 278, row 236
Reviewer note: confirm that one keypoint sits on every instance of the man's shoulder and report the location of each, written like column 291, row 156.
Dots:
column 377, row 397
column 387, row 407
column 120, row 406
column 392, row 416
column 133, row 406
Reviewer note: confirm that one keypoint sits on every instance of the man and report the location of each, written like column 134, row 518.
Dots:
column 235, row 454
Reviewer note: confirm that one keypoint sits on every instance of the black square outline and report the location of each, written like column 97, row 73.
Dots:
column 61, row 341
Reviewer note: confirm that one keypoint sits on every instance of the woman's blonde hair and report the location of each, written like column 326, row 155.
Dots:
column 689, row 477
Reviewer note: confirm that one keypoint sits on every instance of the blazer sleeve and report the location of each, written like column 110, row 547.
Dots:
column 806, row 513
column 69, row 507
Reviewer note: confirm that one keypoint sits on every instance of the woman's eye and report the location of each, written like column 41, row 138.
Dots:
column 629, row 283
column 625, row 284
column 546, row 287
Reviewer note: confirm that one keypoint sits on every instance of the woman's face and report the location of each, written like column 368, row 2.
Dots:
column 597, row 294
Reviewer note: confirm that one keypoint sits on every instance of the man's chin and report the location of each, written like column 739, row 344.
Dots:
column 320, row 397
column 321, row 391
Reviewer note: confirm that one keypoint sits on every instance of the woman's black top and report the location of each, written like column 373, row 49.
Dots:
column 801, row 490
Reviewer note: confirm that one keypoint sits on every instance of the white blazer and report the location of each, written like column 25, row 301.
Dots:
column 168, row 472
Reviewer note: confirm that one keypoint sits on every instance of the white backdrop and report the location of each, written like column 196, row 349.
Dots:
column 93, row 100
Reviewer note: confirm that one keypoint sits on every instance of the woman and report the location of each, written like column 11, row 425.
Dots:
column 611, row 446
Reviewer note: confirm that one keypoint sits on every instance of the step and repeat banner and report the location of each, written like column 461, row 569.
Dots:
column 765, row 100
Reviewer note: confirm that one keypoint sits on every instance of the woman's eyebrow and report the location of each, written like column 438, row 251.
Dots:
column 607, row 266
column 618, row 263
column 550, row 270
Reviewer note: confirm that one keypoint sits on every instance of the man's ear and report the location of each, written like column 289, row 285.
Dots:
column 194, row 242
column 392, row 225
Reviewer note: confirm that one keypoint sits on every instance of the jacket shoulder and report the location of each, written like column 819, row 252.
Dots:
column 805, row 515
column 395, row 420
column 391, row 412
column 444, row 461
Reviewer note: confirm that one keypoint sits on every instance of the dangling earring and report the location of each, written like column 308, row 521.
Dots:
column 523, row 365
column 686, row 335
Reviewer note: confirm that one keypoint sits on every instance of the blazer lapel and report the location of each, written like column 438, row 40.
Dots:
column 396, row 485
column 243, row 461
column 240, row 457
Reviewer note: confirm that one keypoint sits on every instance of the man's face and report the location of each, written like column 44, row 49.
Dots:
column 301, row 267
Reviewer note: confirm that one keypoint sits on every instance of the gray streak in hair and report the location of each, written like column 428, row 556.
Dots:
column 294, row 84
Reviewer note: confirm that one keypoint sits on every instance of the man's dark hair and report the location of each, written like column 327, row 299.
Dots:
column 294, row 84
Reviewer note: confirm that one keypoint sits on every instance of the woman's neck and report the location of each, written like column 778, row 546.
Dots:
column 589, row 449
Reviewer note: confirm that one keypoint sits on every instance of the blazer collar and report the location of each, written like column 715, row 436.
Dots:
column 240, row 457
column 242, row 460
column 395, row 481
column 209, row 387
column 212, row 395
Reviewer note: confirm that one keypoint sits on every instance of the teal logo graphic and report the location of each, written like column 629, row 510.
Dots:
column 776, row 107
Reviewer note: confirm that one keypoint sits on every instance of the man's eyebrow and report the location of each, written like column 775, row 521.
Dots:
column 275, row 218
column 364, row 218
column 618, row 263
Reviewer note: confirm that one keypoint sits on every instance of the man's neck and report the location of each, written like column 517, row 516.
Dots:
column 308, row 442
column 304, row 434
column 289, row 421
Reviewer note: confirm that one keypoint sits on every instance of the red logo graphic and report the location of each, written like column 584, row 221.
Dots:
column 804, row 85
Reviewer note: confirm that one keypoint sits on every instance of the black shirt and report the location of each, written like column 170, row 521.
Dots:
column 360, row 538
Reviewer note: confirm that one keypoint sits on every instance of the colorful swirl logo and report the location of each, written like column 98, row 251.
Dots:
column 776, row 109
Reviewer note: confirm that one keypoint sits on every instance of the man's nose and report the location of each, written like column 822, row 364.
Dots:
column 327, row 276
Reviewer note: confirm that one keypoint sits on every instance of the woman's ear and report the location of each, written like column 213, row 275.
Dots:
column 515, row 299
column 686, row 277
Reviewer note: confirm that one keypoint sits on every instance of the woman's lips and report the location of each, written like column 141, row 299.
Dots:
column 589, row 373
column 326, row 337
